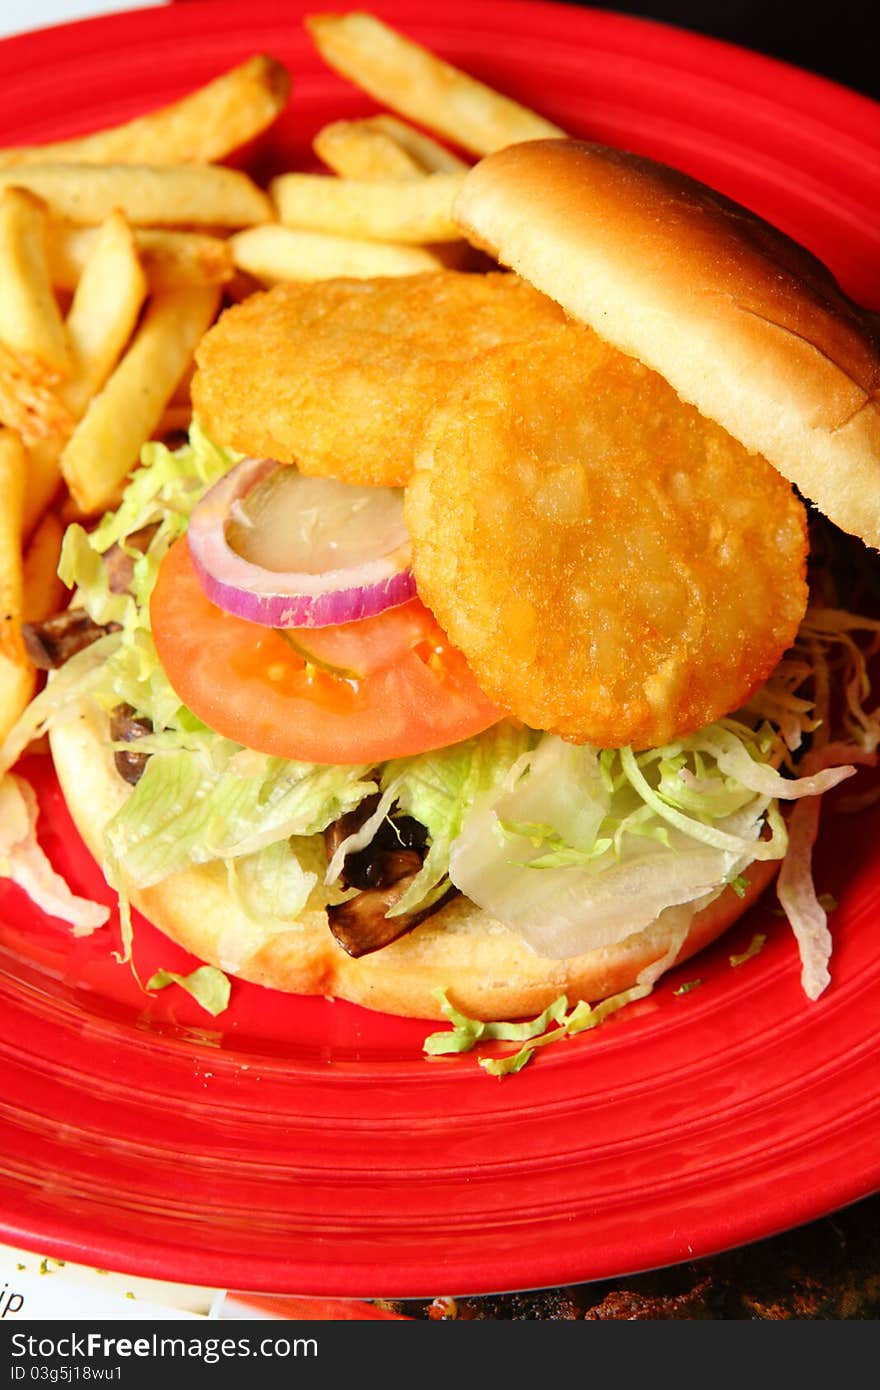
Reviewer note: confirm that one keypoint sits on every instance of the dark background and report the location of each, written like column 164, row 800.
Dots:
column 836, row 39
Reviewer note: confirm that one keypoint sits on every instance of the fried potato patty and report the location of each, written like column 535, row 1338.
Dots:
column 337, row 375
column 616, row 568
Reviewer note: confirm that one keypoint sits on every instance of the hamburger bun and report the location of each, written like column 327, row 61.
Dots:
column 487, row 970
column 747, row 327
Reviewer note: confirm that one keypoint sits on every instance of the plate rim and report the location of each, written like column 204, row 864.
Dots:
column 151, row 1258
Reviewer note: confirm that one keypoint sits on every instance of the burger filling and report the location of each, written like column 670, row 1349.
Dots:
column 573, row 847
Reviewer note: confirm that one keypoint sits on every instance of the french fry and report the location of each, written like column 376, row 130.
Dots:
column 273, row 254
column 433, row 157
column 102, row 316
column 30, row 320
column 413, row 211
column 17, row 676
column 204, row 126
column 44, row 593
column 42, row 482
column 104, row 311
column 411, row 80
column 27, row 405
column 150, row 195
column 106, row 443
column 169, row 258
column 362, row 150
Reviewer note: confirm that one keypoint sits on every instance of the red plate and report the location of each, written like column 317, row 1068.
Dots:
column 305, row 1146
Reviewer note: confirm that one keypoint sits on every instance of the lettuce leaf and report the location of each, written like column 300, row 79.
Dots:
column 206, row 984
column 438, row 789
column 187, row 810
column 467, row 1033
column 23, row 860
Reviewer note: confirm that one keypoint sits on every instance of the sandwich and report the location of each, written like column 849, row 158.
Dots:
column 505, row 673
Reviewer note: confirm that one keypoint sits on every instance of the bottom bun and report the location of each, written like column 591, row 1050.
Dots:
column 486, row 969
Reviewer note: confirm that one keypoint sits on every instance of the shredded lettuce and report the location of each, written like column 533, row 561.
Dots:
column 575, row 849
column 754, row 948
column 275, row 884
column 187, row 810
column 467, row 1033
column 82, row 675
column 439, row 788
column 23, row 860
column 206, row 984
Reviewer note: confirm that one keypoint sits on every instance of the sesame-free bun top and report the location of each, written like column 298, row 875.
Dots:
column 743, row 323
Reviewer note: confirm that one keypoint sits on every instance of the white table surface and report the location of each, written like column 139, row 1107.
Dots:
column 18, row 15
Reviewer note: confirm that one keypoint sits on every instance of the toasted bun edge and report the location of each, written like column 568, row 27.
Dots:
column 487, row 971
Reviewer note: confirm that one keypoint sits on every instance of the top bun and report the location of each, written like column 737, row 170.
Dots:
column 741, row 321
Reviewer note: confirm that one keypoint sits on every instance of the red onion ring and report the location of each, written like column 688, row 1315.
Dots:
column 381, row 579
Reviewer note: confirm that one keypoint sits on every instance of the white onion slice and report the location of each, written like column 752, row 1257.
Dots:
column 314, row 521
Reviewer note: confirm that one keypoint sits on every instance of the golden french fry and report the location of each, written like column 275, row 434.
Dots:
column 273, row 254
column 428, row 153
column 17, row 676
column 362, row 150
column 408, row 78
column 406, row 210
column 104, row 311
column 42, row 482
column 203, row 126
column 169, row 258
column 44, row 593
column 27, row 404
column 107, row 442
column 30, row 320
column 150, row 195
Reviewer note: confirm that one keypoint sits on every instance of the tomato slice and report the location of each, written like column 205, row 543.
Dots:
column 407, row 689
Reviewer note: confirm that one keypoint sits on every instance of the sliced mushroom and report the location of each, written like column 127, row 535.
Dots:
column 383, row 870
column 50, row 644
column 362, row 925
column 120, row 562
column 126, row 727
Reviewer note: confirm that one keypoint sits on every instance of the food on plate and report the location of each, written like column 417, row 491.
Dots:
column 44, row 594
column 16, row 672
column 205, row 126
column 28, row 405
column 97, row 327
column 338, row 375
column 430, row 154
column 599, row 550
column 415, row 211
column 382, row 147
column 364, row 150
column 273, row 254
column 97, row 457
column 30, row 319
column 150, row 195
column 503, row 864
column 166, row 257
column 107, row 300
column 743, row 323
column 413, row 82
column 462, row 657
